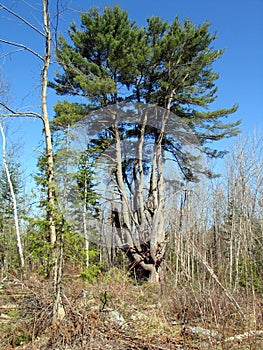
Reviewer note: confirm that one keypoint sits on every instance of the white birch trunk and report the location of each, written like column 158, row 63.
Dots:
column 13, row 196
column 85, row 232
column 57, row 250
column 47, row 131
column 58, row 309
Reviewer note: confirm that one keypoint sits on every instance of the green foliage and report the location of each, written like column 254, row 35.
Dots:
column 39, row 250
column 95, row 268
column 105, row 50
column 6, row 204
column 93, row 271
column 20, row 336
column 8, row 246
column 41, row 179
column 250, row 274
column 117, row 275
column 67, row 114
column 111, row 59
column 37, row 247
column 13, row 313
column 73, row 247
column 15, row 175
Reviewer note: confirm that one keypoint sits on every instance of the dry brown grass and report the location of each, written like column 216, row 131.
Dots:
column 156, row 316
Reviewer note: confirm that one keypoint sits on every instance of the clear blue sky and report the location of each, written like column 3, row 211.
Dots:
column 239, row 27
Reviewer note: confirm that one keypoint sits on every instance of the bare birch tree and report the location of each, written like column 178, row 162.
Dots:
column 3, row 91
column 45, row 33
column 13, row 196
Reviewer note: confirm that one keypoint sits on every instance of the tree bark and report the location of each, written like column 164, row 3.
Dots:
column 57, row 253
column 51, row 197
column 13, row 196
column 47, row 131
column 140, row 225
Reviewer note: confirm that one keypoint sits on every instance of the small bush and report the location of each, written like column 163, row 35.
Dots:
column 91, row 273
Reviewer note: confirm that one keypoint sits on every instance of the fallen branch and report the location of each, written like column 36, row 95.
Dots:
column 243, row 336
column 216, row 279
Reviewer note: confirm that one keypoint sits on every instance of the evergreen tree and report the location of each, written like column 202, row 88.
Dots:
column 168, row 65
column 73, row 174
column 111, row 60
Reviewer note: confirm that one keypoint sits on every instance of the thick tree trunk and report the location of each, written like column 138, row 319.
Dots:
column 140, row 225
column 154, row 276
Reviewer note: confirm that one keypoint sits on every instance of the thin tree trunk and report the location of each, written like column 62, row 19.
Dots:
column 57, row 254
column 47, row 131
column 85, row 234
column 51, row 198
column 13, row 196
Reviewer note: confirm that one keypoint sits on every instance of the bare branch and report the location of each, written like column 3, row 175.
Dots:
column 23, row 47
column 14, row 113
column 10, row 53
column 22, row 19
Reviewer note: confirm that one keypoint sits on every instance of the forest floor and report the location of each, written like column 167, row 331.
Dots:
column 113, row 312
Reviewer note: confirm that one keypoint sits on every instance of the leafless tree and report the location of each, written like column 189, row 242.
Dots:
column 13, row 196
column 45, row 33
column 3, row 92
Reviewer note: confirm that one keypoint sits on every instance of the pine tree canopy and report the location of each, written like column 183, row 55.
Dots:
column 111, row 60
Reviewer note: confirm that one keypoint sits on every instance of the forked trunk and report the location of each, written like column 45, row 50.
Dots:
column 140, row 219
